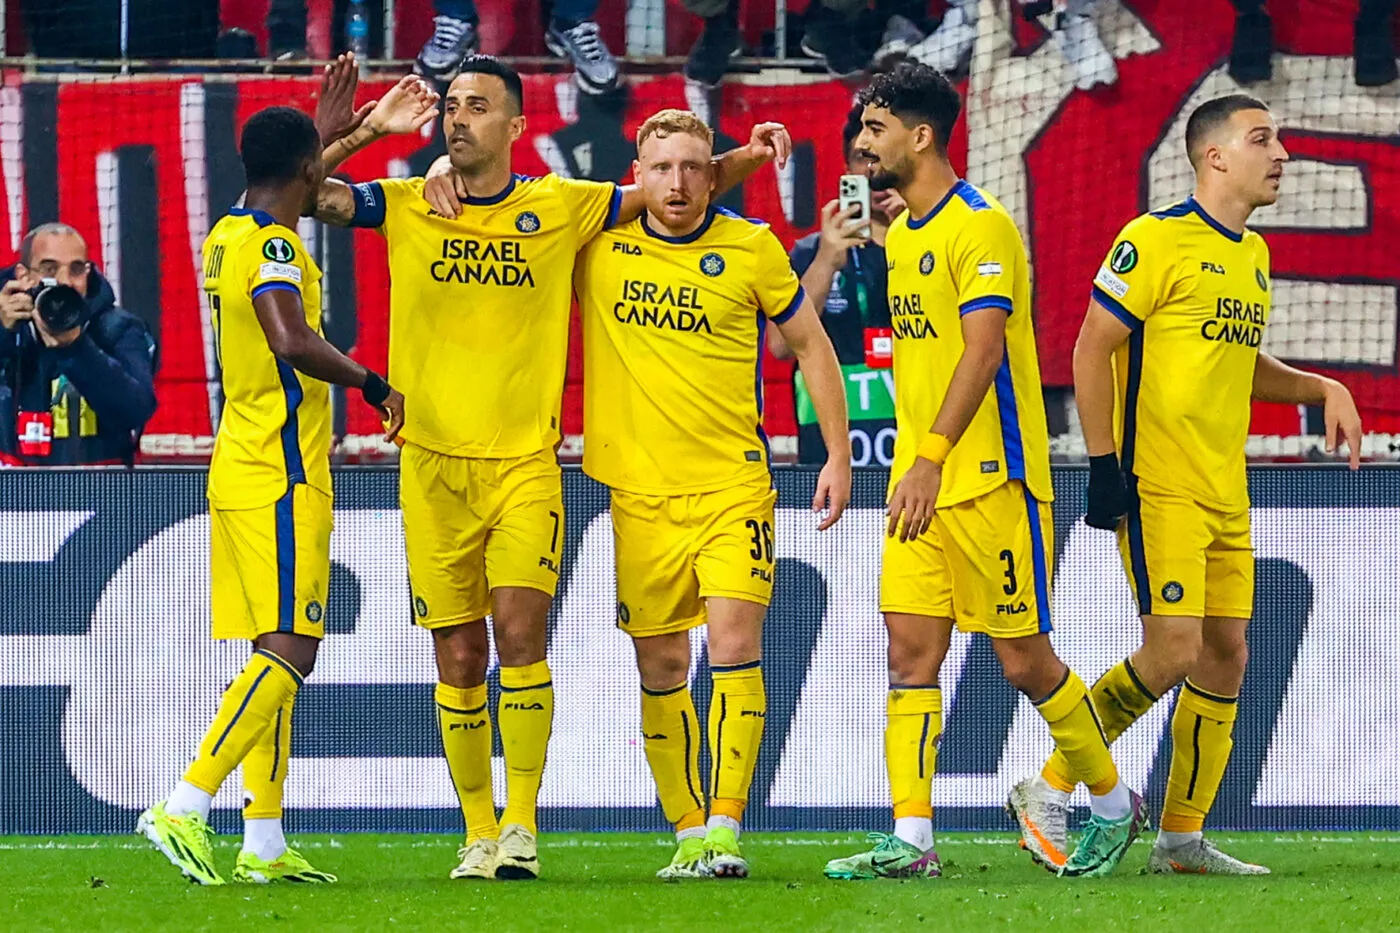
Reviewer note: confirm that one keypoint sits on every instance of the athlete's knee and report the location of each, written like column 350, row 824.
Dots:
column 519, row 616
column 916, row 654
column 1170, row 649
column 461, row 652
column 663, row 661
column 1226, row 649
column 297, row 650
column 1030, row 665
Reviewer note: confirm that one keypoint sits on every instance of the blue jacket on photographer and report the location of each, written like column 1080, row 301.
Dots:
column 77, row 373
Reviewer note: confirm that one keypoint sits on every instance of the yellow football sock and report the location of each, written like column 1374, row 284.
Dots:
column 526, row 716
column 737, row 710
column 913, row 726
column 465, row 723
column 671, row 733
column 1119, row 698
column 1077, row 734
column 249, row 705
column 1201, row 743
column 265, row 767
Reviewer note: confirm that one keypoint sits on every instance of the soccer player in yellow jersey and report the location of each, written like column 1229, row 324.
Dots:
column 269, row 496
column 478, row 334
column 674, row 307
column 970, row 527
column 1164, row 370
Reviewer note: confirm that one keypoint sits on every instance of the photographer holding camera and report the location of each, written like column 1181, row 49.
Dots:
column 77, row 373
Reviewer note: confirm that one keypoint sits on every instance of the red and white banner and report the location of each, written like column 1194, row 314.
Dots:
column 143, row 166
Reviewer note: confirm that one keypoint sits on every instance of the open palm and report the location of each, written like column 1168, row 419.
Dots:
column 406, row 108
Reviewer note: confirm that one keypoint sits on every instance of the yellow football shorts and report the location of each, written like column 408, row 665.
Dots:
column 270, row 567
column 472, row 525
column 674, row 552
column 1184, row 558
column 984, row 563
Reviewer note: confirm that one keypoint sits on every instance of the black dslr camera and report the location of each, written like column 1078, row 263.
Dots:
column 61, row 307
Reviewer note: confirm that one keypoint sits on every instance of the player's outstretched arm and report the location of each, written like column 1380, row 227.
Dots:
column 803, row 332
column 767, row 143
column 283, row 322
column 1100, row 336
column 406, row 108
column 1276, row 381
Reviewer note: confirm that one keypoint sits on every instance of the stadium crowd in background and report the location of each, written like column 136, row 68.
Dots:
column 77, row 372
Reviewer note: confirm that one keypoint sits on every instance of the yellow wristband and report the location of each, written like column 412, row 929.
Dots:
column 935, row 447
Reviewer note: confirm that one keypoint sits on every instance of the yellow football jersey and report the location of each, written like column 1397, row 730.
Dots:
column 479, row 307
column 965, row 255
column 1196, row 296
column 672, row 333
column 275, row 431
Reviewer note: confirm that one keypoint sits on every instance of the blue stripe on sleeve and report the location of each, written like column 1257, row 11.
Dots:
column 1115, row 307
column 792, row 306
column 370, row 206
column 986, row 301
column 275, row 287
column 614, row 208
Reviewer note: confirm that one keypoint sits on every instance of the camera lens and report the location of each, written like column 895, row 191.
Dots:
column 61, row 307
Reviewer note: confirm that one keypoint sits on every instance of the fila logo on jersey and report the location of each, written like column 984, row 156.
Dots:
column 629, row 249
column 1124, row 258
column 926, row 263
column 1012, row 609
column 1263, row 282
column 527, row 222
column 712, row 264
column 279, row 250
column 1212, row 267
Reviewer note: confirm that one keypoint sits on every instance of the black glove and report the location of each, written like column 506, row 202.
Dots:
column 1107, row 494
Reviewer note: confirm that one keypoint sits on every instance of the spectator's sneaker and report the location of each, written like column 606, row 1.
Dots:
column 1375, row 54
column 478, row 860
column 710, row 56
column 949, row 47
column 831, row 40
column 891, row 857
column 688, row 862
column 595, row 69
column 1251, row 52
column 442, row 55
column 1198, row 857
column 1042, row 813
column 1078, row 38
column 900, row 36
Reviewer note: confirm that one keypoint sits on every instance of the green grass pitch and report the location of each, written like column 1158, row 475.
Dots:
column 603, row 882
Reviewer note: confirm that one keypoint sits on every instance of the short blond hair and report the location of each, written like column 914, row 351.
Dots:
column 664, row 123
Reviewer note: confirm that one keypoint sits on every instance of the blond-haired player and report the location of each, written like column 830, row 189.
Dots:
column 675, row 304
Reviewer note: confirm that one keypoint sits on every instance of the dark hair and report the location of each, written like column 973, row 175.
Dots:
column 275, row 143
column 490, row 65
column 916, row 93
column 1212, row 115
column 851, row 130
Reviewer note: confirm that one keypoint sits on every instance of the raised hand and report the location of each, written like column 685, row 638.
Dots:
column 406, row 108
column 771, row 141
column 336, row 116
